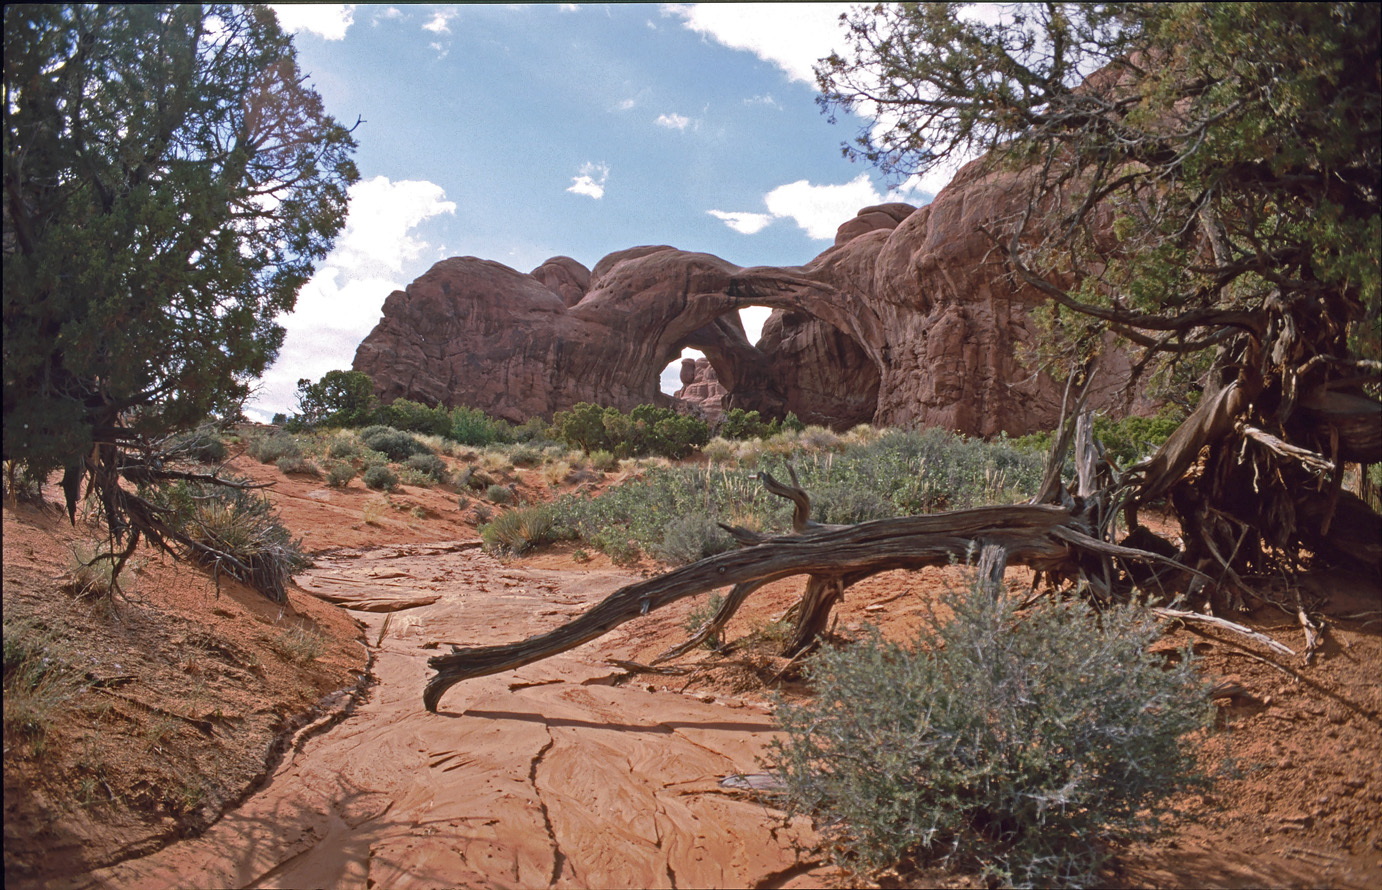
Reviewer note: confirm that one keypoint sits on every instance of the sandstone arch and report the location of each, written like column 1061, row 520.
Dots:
column 920, row 317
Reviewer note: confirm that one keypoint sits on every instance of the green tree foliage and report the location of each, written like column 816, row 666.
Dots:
column 646, row 429
column 1201, row 180
column 170, row 180
column 340, row 398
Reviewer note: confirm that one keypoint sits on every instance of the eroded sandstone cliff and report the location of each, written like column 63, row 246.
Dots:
column 908, row 319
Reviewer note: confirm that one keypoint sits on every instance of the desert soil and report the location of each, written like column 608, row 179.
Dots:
column 222, row 753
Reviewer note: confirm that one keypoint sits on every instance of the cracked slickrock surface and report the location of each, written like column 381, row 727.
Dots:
column 545, row 776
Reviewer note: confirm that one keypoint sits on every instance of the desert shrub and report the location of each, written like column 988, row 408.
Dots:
column 471, row 426
column 296, row 463
column 380, row 478
column 817, row 438
column 300, row 644
column 738, row 424
column 521, row 530
column 429, row 465
column 525, row 456
column 603, row 461
column 338, row 475
column 555, row 473
column 1014, row 744
column 39, row 682
column 273, row 447
column 535, row 431
column 691, row 537
column 243, row 529
column 343, row 447
column 91, row 571
column 719, row 450
column 397, row 445
column 203, row 445
column 499, row 494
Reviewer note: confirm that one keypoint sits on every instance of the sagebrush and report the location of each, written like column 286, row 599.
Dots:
column 1014, row 744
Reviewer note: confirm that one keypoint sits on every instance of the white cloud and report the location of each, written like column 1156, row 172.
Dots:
column 673, row 121
column 328, row 21
column 744, row 223
column 590, row 181
column 765, row 99
column 626, row 104
column 818, row 209
column 792, row 36
column 390, row 12
column 372, row 258
column 440, row 23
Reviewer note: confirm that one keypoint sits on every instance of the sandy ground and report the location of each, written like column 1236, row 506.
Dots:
column 572, row 772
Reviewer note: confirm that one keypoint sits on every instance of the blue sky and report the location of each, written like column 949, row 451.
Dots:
column 518, row 133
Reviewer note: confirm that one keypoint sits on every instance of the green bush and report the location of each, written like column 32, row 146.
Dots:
column 646, row 429
column 1013, row 744
column 471, row 426
column 273, row 447
column 380, row 478
column 415, row 417
column 240, row 524
column 521, row 530
column 397, row 445
column 340, row 398
column 739, row 424
column 338, row 475
column 429, row 465
column 701, row 615
column 499, row 494
column 1131, row 439
column 603, row 461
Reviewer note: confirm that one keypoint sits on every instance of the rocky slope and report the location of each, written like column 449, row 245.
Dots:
column 908, row 320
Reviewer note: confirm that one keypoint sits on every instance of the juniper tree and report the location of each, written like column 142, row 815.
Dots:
column 1201, row 180
column 170, row 180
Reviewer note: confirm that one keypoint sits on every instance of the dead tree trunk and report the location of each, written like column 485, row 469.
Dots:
column 1054, row 539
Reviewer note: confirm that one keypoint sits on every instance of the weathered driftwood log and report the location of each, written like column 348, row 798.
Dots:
column 1043, row 537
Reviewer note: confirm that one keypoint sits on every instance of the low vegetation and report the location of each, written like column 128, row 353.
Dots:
column 1017, row 746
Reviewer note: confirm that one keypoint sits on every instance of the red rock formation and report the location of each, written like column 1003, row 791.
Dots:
column 910, row 312
column 701, row 389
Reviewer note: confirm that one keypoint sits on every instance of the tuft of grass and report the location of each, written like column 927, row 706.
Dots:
column 555, row 473
column 300, row 644
column 91, row 571
column 373, row 510
column 236, row 531
column 39, row 684
column 1015, row 745
column 518, row 531
column 701, row 615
